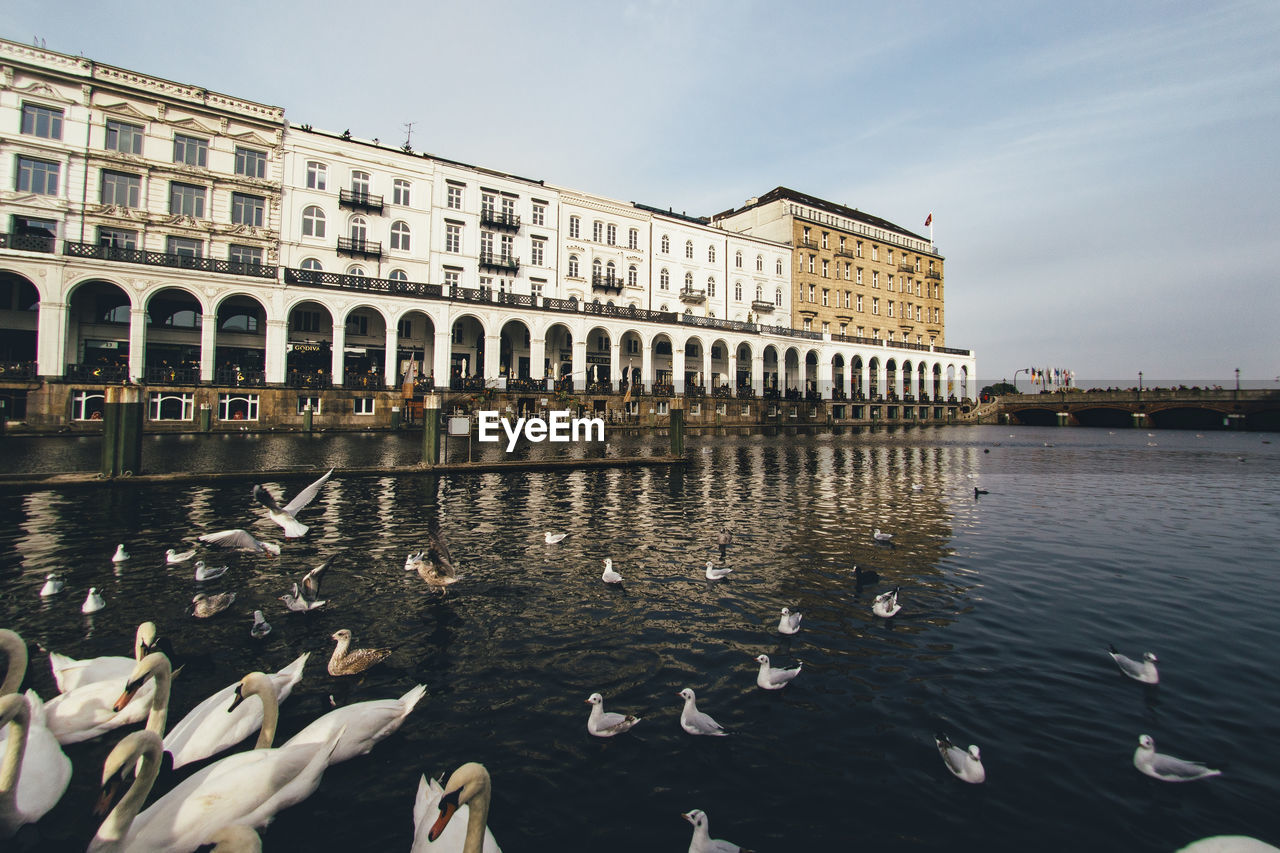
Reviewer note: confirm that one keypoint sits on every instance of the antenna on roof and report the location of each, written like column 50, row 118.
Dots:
column 408, row 134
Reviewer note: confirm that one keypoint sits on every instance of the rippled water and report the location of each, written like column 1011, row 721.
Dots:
column 1008, row 604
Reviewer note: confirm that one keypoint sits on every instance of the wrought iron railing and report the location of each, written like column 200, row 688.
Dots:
column 318, row 379
column 237, row 377
column 506, row 263
column 165, row 375
column 99, row 373
column 664, row 389
column 165, row 259
column 499, row 219
column 359, row 248
column 606, row 282
column 363, row 380
column 693, row 295
column 762, row 305
column 358, row 200
column 520, row 300
column 569, row 305
column 17, row 371
column 524, row 383
column 29, row 242
column 746, row 392
column 599, row 387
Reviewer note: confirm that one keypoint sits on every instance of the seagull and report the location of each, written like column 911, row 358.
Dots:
column 917, row 487
column 694, row 721
column 437, row 567
column 610, row 576
column 604, row 724
column 774, row 678
column 92, row 602
column 203, row 606
column 553, row 538
column 1166, row 768
column 171, row 556
column 206, row 573
column 886, row 604
column 724, row 539
column 714, row 574
column 1228, row 844
column 261, row 627
column 965, row 765
column 882, row 537
column 869, row 576
column 702, row 841
column 120, row 555
column 1144, row 671
column 307, row 596
column 284, row 516
column 345, row 662
column 790, row 622
column 52, row 586
column 241, row 540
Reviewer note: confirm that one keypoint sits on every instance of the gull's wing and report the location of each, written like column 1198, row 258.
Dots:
column 311, row 581
column 307, row 495
column 265, row 498
column 232, row 539
column 1167, row 765
column 438, row 553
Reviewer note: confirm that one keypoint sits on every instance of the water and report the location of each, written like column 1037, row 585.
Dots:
column 1008, row 604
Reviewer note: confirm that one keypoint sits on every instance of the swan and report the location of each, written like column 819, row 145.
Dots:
column 70, row 673
column 694, row 721
column 98, row 707
column 92, row 602
column 245, row 789
column 344, row 662
column 609, row 575
column 366, row 724
column 773, row 677
column 171, row 556
column 15, row 652
column 34, row 772
column 1229, row 843
column 284, row 516
column 1166, row 768
column 886, row 605
column 52, row 586
column 714, row 574
column 1144, row 671
column 790, row 622
column 120, row 555
column 236, row 839
column 965, row 765
column 702, row 842
column 603, row 724
column 466, row 793
column 210, row 727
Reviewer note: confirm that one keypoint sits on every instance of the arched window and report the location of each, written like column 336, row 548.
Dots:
column 778, row 267
column 664, row 280
column 359, row 229
column 711, row 254
column 360, row 183
column 737, row 291
column 737, row 260
column 777, row 297
column 358, row 272
column 688, row 248
column 711, row 285
column 633, row 276
column 312, row 264
column 666, row 245
column 759, row 293
column 688, row 281
column 312, row 222
column 759, row 263
column 400, row 236
column 610, row 271
column 398, row 275
column 595, row 268
column 573, row 266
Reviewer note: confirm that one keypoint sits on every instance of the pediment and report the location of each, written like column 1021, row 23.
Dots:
column 253, row 138
column 43, row 90
column 192, row 124
column 124, row 109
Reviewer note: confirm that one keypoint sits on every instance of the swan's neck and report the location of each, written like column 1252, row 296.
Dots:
column 477, row 819
column 16, row 651
column 116, row 826
column 158, row 717
column 14, row 752
column 270, row 715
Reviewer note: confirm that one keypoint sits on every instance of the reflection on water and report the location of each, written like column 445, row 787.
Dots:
column 1008, row 604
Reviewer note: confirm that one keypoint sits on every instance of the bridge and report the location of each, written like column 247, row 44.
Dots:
column 1150, row 408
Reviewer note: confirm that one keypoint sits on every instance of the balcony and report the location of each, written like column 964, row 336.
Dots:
column 164, row 375
column 692, row 296
column 357, row 200
column 762, row 306
column 357, row 248
column 933, row 274
column 502, row 263
column 906, row 266
column 501, row 220
column 606, row 282
column 100, row 374
column 17, row 371
column 845, row 253
column 29, row 242
column 164, row 259
column 239, row 377
column 319, row 379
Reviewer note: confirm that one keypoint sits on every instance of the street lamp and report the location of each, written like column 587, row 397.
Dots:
column 1237, row 379
column 1139, row 381
column 1015, row 377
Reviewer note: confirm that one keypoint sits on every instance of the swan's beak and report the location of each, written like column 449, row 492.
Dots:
column 235, row 703
column 448, row 805
column 109, row 795
column 130, row 690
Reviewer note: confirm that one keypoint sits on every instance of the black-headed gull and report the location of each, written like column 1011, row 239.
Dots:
column 790, row 622
column 553, row 538
column 694, row 721
column 208, row 573
column 92, row 602
column 307, row 596
column 886, row 604
column 171, row 556
column 284, row 515
column 1166, row 768
column 774, row 678
column 882, row 537
column 1144, row 670
column 715, row 574
column 965, row 765
column 609, row 575
column 120, row 555
column 241, row 540
column 52, row 586
column 702, row 841
column 604, row 724
column 261, row 627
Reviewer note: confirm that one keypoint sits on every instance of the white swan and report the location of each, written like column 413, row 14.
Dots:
column 366, row 724
column 211, row 726
column 245, row 789
column 99, row 707
column 34, row 772
column 466, row 793
column 70, row 673
column 15, row 652
column 1229, row 843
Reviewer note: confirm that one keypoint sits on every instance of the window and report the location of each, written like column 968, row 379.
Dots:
column 173, row 407
column 826, row 327
column 688, row 249
column 398, row 275
column 573, row 266
column 317, row 176
column 633, row 276
column 611, row 235
column 117, row 238
column 858, row 250
column 454, row 201
column 777, row 297
column 88, row 405
column 312, row 264
column 251, row 163
column 847, row 266
column 453, row 278
column 842, row 242
column 596, row 268
column 41, row 121
column 806, row 235
column 633, row 239
column 824, row 268
column 859, row 275
column 847, row 294
column 122, row 137
column 664, row 280
column 186, row 200
column 539, row 214
column 808, row 324
column 400, row 192
column 662, row 407
column 825, row 294
column 486, row 243
column 308, row 402
column 487, row 203
column 312, row 222
column 695, row 409
column 888, row 284
column 453, row 238
column 247, row 209
column 362, row 406
column 405, row 328
column 360, row 183
column 711, row 254
column 688, row 281
column 243, row 407
column 859, row 301
column 844, row 329
column 537, row 252
column 190, row 150
column 711, row 286
column 575, row 226
column 400, row 236
column 875, row 305
column 245, row 254
column 812, row 258
column 778, row 267
column 306, row 321
column 875, row 278
column 597, row 231
column 891, row 256
column 359, row 229
column 737, row 260
column 813, row 293
column 737, row 291
column 666, row 245
column 358, row 324
column 121, row 189
column 37, row 176
column 824, row 240
column 184, row 246
column 875, row 252
column 508, row 247
column 746, row 409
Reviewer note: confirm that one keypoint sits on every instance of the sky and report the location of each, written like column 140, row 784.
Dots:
column 1102, row 176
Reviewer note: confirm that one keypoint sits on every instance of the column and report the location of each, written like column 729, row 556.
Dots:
column 441, row 354
column 51, row 341
column 615, row 361
column 137, row 343
column 391, row 364
column 537, row 359
column 677, row 368
column 824, row 379
column 757, row 374
column 208, row 346
column 493, row 358
column 733, row 372
column 646, row 365
column 706, row 368
column 579, row 372
column 274, row 361
column 337, row 361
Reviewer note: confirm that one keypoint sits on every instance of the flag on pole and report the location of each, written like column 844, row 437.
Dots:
column 626, row 398
column 928, row 220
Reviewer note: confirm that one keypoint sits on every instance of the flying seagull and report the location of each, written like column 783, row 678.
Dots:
column 307, row 595
column 284, row 516
column 241, row 540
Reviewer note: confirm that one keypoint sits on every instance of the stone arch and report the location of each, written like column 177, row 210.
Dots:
column 599, row 353
column 171, row 340
column 694, row 352
column 838, row 386
column 364, row 347
column 558, row 347
column 720, row 377
column 632, row 356
column 791, row 369
column 745, row 367
column 907, row 375
column 873, row 380
column 663, row 360
column 19, row 320
column 416, row 347
column 309, row 344
column 937, row 381
column 891, row 378
column 810, row 378
column 856, row 386
column 99, row 316
column 466, row 352
column 240, row 335
column 515, row 350
column 771, row 364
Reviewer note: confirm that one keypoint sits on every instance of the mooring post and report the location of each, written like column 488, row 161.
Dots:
column 677, row 427
column 307, row 417
column 206, row 417
column 395, row 417
column 431, row 429
column 122, row 431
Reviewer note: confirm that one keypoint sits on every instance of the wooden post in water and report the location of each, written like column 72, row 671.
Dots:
column 122, row 431
column 206, row 417
column 677, row 427
column 430, row 429
column 307, row 415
